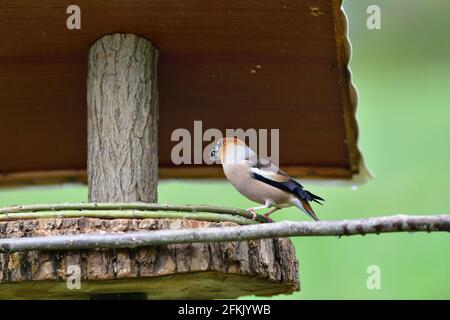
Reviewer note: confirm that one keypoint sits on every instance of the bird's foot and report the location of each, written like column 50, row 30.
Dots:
column 267, row 217
column 253, row 213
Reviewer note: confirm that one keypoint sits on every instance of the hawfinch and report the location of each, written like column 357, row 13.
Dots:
column 261, row 181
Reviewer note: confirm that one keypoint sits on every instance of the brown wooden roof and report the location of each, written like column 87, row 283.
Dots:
column 233, row 64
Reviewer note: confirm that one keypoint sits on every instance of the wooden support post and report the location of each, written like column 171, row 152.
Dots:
column 122, row 120
column 122, row 123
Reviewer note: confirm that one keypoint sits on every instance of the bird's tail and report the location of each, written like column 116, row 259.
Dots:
column 304, row 205
column 313, row 197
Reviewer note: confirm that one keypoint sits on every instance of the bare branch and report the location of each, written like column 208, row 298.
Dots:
column 399, row 223
column 127, row 214
column 8, row 212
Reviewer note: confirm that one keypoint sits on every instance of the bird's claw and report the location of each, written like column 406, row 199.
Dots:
column 253, row 213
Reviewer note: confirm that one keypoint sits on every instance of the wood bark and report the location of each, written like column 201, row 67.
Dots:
column 194, row 270
column 122, row 120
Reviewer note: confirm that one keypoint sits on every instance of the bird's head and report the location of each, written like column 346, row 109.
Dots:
column 230, row 150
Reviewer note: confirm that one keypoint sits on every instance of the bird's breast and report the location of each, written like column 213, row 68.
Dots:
column 257, row 191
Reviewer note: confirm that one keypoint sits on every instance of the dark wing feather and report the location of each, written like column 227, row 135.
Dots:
column 282, row 181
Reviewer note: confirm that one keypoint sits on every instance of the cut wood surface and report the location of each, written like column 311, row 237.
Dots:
column 206, row 270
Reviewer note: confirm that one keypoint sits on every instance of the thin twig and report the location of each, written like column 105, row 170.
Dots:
column 399, row 223
column 127, row 214
column 131, row 206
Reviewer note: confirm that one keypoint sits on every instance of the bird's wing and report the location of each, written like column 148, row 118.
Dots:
column 265, row 171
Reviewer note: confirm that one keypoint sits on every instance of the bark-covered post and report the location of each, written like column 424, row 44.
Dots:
column 122, row 122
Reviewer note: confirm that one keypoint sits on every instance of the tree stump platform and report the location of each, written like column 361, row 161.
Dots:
column 185, row 271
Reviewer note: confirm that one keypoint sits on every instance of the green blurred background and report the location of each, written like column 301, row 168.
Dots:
column 402, row 73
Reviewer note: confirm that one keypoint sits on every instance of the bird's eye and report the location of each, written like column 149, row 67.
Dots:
column 213, row 153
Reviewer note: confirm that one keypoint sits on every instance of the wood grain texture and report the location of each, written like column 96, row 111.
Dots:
column 204, row 271
column 122, row 103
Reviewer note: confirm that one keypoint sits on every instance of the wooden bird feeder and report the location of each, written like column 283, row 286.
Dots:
column 98, row 105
